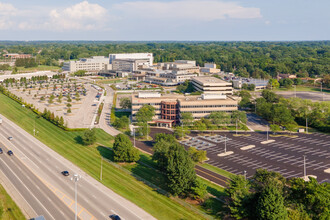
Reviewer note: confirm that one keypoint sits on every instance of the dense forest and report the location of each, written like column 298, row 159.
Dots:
column 256, row 59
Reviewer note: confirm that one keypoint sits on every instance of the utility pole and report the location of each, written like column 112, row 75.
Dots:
column 101, row 168
column 134, row 135
column 225, row 144
column 304, row 166
column 75, row 178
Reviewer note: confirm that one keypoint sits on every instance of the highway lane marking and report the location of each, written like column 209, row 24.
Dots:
column 18, row 192
column 27, row 189
column 211, row 175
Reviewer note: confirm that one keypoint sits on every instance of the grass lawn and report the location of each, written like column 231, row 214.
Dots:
column 303, row 89
column 88, row 158
column 39, row 68
column 217, row 170
column 8, row 208
column 109, row 81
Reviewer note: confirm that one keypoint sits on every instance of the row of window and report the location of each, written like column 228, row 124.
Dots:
column 208, row 106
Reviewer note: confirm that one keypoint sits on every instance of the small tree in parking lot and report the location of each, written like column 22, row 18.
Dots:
column 274, row 128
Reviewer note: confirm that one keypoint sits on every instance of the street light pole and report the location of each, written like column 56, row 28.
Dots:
column 225, row 144
column 75, row 178
column 244, row 174
column 236, row 126
column 306, row 125
column 304, row 166
column 182, row 130
column 295, row 91
column 134, row 135
column 101, row 168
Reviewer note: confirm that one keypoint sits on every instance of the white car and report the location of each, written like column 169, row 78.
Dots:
column 10, row 138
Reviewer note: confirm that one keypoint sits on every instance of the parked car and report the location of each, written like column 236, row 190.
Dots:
column 10, row 138
column 1, row 151
column 65, row 173
column 10, row 153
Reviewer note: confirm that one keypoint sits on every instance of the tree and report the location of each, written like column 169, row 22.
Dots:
column 199, row 125
column 219, row 118
column 145, row 114
column 270, row 96
column 61, row 121
column 77, row 96
column 297, row 81
column 197, row 156
column 291, row 127
column 270, row 204
column 274, row 128
column 273, row 83
column 238, row 193
column 240, row 116
column 69, row 111
column 287, row 83
column 89, row 136
column 68, row 105
column 125, row 103
column 121, row 122
column 198, row 190
column 123, row 149
column 181, row 132
column 180, row 172
column 187, row 118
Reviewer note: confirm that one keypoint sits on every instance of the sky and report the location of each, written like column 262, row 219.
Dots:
column 165, row 20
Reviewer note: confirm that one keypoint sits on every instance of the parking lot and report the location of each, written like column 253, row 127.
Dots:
column 285, row 155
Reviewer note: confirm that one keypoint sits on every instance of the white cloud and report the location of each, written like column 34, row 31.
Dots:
column 80, row 16
column 208, row 10
column 6, row 12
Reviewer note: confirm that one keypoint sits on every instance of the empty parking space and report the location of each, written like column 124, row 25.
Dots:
column 285, row 155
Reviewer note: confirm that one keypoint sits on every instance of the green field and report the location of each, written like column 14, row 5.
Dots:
column 67, row 144
column 303, row 89
column 39, row 68
column 8, row 208
column 217, row 170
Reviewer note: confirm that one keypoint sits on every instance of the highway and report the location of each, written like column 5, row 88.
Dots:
column 39, row 167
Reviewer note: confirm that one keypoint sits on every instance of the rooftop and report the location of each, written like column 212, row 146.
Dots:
column 209, row 80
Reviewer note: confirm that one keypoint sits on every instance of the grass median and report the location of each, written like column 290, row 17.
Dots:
column 8, row 208
column 67, row 144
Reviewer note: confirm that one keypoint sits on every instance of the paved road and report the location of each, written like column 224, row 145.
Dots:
column 104, row 122
column 38, row 196
column 94, row 199
column 314, row 96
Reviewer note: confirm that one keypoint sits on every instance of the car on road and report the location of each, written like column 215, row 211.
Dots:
column 65, row 173
column 10, row 138
column 10, row 153
column 94, row 105
column 1, row 151
column 115, row 217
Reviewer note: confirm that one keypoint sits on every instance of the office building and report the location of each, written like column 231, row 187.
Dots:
column 210, row 68
column 169, row 107
column 14, row 56
column 93, row 64
column 209, row 84
column 134, row 56
column 129, row 65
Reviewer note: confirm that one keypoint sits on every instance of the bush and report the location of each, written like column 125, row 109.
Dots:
column 89, row 137
column 123, row 149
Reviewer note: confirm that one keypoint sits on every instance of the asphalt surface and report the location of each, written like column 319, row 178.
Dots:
column 95, row 201
column 285, row 155
column 37, row 195
column 146, row 146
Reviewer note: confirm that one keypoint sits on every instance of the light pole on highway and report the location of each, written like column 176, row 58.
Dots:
column 75, row 178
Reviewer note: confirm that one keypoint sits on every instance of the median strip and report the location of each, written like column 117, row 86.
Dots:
column 248, row 147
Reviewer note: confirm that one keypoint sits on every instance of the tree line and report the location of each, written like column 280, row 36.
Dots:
column 255, row 59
